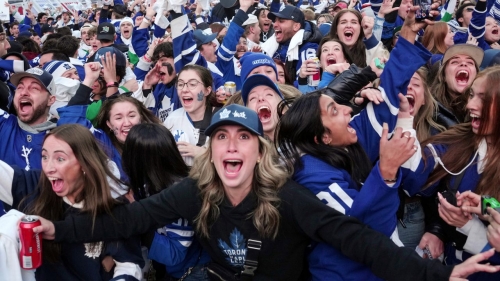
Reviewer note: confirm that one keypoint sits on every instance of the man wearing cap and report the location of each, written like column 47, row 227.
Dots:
column 23, row 134
column 84, row 48
column 340, row 5
column 252, row 32
column 66, row 20
column 294, row 41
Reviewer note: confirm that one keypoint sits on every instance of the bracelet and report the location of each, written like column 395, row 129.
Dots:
column 112, row 84
column 391, row 180
column 146, row 18
column 145, row 57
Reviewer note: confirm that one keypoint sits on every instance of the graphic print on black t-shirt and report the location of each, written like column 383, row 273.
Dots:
column 236, row 251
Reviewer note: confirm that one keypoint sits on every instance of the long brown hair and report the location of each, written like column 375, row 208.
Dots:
column 358, row 51
column 96, row 192
column 455, row 102
column 423, row 120
column 434, row 36
column 269, row 177
column 462, row 142
column 146, row 117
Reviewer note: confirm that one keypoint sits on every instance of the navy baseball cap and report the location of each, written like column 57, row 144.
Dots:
column 106, row 31
column 201, row 37
column 235, row 114
column 45, row 78
column 257, row 80
column 121, row 60
column 288, row 12
column 47, row 28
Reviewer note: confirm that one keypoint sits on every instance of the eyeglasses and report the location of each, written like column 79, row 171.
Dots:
column 191, row 84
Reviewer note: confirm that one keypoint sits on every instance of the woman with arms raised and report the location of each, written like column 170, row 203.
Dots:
column 236, row 197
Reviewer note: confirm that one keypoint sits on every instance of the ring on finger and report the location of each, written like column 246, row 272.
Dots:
column 415, row 147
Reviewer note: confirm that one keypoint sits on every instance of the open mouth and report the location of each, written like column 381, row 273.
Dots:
column 232, row 167
column 25, row 106
column 264, row 113
column 349, row 35
column 57, row 184
column 162, row 75
column 351, row 129
column 411, row 101
column 125, row 132
column 462, row 77
column 331, row 61
column 475, row 120
column 494, row 31
column 278, row 32
column 187, row 101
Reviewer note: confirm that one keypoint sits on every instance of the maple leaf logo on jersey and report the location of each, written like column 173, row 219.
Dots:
column 237, row 252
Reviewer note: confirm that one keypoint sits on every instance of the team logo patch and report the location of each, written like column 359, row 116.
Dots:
column 239, row 114
column 105, row 29
column 225, row 113
column 236, row 250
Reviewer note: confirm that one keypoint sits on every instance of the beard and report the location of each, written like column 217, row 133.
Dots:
column 37, row 113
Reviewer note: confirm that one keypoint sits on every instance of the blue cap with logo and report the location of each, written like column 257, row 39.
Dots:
column 288, row 12
column 250, row 61
column 46, row 80
column 235, row 114
column 255, row 81
column 201, row 37
column 121, row 60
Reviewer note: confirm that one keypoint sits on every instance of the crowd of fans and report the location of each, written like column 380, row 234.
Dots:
column 252, row 140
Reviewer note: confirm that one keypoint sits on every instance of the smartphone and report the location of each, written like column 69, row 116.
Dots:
column 379, row 64
column 450, row 197
column 425, row 9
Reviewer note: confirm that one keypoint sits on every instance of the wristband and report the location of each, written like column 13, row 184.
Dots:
column 146, row 18
column 146, row 58
column 112, row 84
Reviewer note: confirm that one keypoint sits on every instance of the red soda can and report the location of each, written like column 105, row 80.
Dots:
column 30, row 255
column 313, row 80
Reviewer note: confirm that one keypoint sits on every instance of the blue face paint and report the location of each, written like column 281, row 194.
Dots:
column 200, row 96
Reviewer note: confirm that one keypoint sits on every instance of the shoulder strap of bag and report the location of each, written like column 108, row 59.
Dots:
column 251, row 260
column 459, row 178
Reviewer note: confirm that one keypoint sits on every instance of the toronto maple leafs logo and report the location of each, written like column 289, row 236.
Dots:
column 225, row 113
column 93, row 250
column 239, row 114
column 237, row 251
column 177, row 135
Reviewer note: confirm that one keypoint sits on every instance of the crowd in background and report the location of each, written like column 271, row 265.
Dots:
column 252, row 140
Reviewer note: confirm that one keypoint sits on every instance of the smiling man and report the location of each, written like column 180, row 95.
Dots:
column 294, row 41
column 23, row 134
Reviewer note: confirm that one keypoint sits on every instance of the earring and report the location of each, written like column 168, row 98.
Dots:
column 83, row 172
column 258, row 160
column 211, row 160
